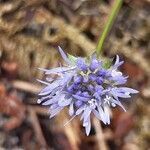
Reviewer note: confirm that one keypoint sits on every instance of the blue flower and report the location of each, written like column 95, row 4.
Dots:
column 85, row 86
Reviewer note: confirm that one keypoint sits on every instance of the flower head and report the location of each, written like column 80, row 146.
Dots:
column 86, row 86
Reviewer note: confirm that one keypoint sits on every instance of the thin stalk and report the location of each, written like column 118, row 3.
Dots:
column 115, row 9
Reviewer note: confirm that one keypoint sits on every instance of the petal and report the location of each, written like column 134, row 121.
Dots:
column 79, row 111
column 71, row 109
column 39, row 101
column 117, row 63
column 48, row 89
column 130, row 90
column 85, row 99
column 117, row 60
column 59, row 70
column 64, row 56
column 88, row 127
column 115, row 73
column 53, row 70
column 67, row 77
column 54, row 112
column 81, row 64
column 97, row 95
column 96, row 113
column 123, row 95
column 101, row 114
column 119, row 80
column 48, row 102
column 51, row 101
column 53, row 106
column 86, row 113
column 63, row 101
column 118, row 103
column 106, row 112
column 94, row 64
column 44, row 98
column 118, row 92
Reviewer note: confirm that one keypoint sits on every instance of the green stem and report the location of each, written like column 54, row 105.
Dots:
column 107, row 27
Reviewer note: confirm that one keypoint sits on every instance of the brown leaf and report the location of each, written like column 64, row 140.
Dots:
column 123, row 123
column 133, row 70
column 9, row 69
column 12, row 106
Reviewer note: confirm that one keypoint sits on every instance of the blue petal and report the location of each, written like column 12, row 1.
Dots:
column 98, row 89
column 85, row 79
column 81, row 64
column 63, row 101
column 118, row 103
column 66, row 79
column 48, row 89
column 119, row 80
column 117, row 63
column 53, row 106
column 71, row 109
column 104, row 114
column 85, row 94
column 86, row 113
column 64, row 56
column 94, row 64
column 55, row 111
column 78, row 103
column 96, row 113
column 85, row 99
column 92, row 77
column 88, row 126
column 130, row 90
column 97, row 95
column 43, row 99
column 78, row 79
column 79, row 111
column 51, row 101
column 58, row 70
column 119, row 93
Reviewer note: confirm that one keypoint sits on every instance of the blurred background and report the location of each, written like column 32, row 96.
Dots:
column 30, row 31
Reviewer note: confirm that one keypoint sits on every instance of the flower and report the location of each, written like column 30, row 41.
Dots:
column 86, row 86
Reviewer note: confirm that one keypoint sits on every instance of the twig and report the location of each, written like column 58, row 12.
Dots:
column 146, row 92
column 26, row 86
column 71, row 136
column 68, row 31
column 99, row 135
column 36, row 126
column 32, row 88
column 71, row 130
column 40, row 110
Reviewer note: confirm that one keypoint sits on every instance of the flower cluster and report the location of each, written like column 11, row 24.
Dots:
column 86, row 86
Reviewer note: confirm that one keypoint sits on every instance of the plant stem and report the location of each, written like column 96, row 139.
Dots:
column 115, row 9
